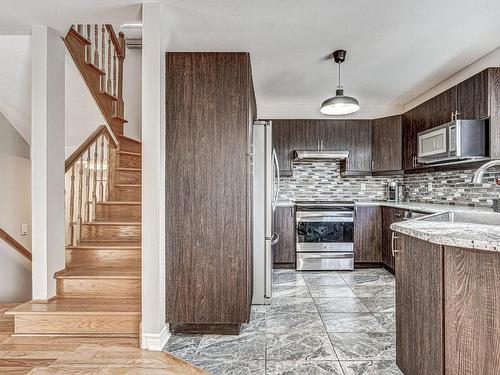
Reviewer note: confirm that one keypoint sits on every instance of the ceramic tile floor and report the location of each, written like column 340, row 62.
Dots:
column 339, row 323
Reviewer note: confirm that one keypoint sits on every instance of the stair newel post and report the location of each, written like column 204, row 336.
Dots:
column 89, row 46
column 108, row 73
column 103, row 57
column 72, row 207
column 80, row 197
column 101, row 183
column 94, row 185
column 121, row 57
column 96, row 45
column 87, row 188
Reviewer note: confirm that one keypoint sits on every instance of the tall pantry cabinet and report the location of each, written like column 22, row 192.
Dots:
column 210, row 108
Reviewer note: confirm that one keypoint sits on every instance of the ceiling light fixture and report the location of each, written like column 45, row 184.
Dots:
column 339, row 104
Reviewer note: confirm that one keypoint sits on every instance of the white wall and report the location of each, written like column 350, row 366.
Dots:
column 132, row 93
column 82, row 115
column 492, row 59
column 47, row 163
column 155, row 38
column 15, row 209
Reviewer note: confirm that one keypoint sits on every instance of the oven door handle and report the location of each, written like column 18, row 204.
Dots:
column 344, row 255
column 325, row 219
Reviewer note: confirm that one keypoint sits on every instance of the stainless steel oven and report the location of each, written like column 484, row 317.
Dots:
column 325, row 235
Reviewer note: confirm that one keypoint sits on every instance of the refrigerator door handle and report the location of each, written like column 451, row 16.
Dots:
column 275, row 238
column 277, row 166
column 269, row 270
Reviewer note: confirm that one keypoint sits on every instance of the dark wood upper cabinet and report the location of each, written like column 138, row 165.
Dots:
column 358, row 141
column 472, row 97
column 284, row 225
column 419, row 306
column 386, row 144
column 354, row 136
column 210, row 107
column 291, row 135
column 367, row 234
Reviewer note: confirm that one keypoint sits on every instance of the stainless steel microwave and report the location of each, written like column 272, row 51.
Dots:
column 454, row 141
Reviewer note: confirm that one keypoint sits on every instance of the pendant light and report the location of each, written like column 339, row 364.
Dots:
column 339, row 104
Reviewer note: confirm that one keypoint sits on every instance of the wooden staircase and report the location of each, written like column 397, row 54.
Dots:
column 99, row 290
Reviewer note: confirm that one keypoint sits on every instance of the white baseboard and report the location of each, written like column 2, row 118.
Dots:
column 155, row 341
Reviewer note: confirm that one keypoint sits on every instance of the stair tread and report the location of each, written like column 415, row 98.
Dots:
column 107, row 244
column 120, row 202
column 129, row 139
column 128, row 223
column 111, row 96
column 99, row 273
column 130, row 153
column 81, row 306
column 131, row 185
column 129, row 169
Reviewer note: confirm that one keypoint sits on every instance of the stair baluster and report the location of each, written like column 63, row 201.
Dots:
column 114, row 72
column 103, row 57
column 108, row 72
column 88, row 50
column 80, row 189
column 96, row 45
column 87, row 188
column 72, row 207
column 94, row 186
column 101, row 183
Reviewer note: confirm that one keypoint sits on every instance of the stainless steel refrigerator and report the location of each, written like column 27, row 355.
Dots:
column 265, row 199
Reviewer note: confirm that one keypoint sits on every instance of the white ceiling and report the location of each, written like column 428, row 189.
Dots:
column 396, row 49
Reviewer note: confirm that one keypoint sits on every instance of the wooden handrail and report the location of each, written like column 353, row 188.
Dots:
column 115, row 41
column 77, row 154
column 16, row 245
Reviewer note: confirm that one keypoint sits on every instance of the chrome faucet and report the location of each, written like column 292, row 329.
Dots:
column 477, row 178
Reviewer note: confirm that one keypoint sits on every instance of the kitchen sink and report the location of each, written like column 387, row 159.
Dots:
column 484, row 218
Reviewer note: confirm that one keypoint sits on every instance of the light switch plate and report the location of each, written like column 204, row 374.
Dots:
column 363, row 186
column 24, row 229
column 429, row 186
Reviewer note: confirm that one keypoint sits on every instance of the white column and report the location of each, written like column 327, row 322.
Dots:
column 47, row 159
column 155, row 332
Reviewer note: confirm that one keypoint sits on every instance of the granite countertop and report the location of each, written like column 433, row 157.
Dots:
column 472, row 236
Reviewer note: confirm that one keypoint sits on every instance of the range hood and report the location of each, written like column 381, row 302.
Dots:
column 322, row 155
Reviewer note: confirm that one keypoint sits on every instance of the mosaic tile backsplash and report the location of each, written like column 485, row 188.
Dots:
column 452, row 187
column 322, row 181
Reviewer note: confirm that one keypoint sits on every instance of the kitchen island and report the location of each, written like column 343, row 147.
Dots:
column 447, row 294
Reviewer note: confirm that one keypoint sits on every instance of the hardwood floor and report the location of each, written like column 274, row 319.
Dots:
column 42, row 355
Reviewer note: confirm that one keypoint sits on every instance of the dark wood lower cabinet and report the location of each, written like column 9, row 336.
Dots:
column 389, row 216
column 284, row 249
column 472, row 311
column 447, row 309
column 367, row 234
column 419, row 307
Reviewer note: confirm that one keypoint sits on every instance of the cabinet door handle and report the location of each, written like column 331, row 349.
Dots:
column 373, row 165
column 399, row 216
column 321, row 144
column 393, row 241
column 318, row 145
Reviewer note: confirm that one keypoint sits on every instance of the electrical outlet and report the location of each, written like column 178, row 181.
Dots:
column 363, row 187
column 429, row 186
column 24, row 229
